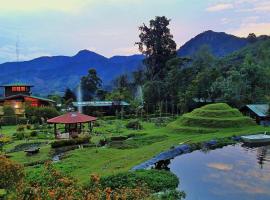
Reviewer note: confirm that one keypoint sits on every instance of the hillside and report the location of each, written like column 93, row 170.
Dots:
column 54, row 74
column 220, row 43
column 211, row 118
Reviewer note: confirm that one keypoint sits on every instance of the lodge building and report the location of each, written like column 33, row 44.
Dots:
column 19, row 95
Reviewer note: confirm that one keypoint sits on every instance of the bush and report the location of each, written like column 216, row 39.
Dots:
column 120, row 137
column 12, row 120
column 33, row 133
column 40, row 114
column 109, row 118
column 77, row 141
column 134, row 124
column 11, row 173
column 19, row 135
column 28, row 126
column 22, row 120
column 155, row 180
column 20, row 128
column 9, row 117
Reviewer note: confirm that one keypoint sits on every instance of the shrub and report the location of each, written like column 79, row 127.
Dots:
column 109, row 118
column 28, row 126
column 69, row 142
column 120, row 137
column 22, row 120
column 9, row 117
column 39, row 114
column 11, row 173
column 155, row 180
column 134, row 124
column 52, row 184
column 4, row 139
column 33, row 133
column 19, row 135
column 103, row 142
column 20, row 128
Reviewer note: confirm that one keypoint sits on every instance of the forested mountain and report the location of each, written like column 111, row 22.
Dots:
column 54, row 74
column 220, row 43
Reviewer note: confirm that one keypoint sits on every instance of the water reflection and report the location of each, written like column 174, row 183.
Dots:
column 233, row 172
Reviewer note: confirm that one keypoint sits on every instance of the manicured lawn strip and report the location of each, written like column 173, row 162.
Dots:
column 21, row 156
column 105, row 161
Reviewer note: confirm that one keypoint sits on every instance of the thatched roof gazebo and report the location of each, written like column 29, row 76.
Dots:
column 73, row 123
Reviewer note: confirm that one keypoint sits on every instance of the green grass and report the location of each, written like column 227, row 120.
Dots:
column 144, row 144
column 106, row 161
column 214, row 116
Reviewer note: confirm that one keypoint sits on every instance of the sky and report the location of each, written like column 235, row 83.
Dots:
column 110, row 27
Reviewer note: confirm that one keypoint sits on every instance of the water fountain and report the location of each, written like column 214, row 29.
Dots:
column 79, row 98
column 139, row 95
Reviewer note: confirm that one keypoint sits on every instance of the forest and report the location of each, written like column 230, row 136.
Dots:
column 170, row 83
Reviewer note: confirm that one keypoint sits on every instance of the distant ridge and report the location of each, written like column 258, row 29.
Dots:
column 220, row 43
column 51, row 74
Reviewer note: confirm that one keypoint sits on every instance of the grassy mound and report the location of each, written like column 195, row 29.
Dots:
column 212, row 117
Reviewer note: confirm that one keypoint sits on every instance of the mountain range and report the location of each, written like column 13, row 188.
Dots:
column 56, row 73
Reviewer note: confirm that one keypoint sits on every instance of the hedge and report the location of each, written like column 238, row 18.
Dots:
column 69, row 142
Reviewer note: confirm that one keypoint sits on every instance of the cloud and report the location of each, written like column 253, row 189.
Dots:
column 220, row 166
column 255, row 6
column 41, row 5
column 55, row 5
column 253, row 27
column 220, row 7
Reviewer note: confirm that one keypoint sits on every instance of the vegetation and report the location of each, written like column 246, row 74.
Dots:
column 80, row 140
column 213, row 116
column 134, row 124
column 11, row 173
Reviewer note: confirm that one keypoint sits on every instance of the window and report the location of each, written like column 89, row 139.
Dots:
column 18, row 89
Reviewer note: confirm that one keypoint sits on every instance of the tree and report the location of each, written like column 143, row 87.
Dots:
column 69, row 95
column 90, row 84
column 252, row 38
column 157, row 44
column 9, row 117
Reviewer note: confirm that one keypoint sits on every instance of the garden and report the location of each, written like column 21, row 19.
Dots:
column 102, row 161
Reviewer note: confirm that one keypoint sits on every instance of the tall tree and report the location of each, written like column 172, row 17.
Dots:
column 90, row 84
column 157, row 44
column 69, row 95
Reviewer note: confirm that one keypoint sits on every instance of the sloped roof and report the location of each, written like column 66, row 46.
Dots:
column 260, row 110
column 72, row 118
column 100, row 103
column 24, row 95
column 17, row 84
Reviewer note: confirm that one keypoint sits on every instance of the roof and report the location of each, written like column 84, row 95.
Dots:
column 260, row 110
column 24, row 95
column 100, row 103
column 72, row 118
column 16, row 84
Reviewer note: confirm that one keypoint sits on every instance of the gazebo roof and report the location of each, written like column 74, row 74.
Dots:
column 71, row 118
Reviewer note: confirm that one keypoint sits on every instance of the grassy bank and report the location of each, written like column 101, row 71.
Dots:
column 140, row 145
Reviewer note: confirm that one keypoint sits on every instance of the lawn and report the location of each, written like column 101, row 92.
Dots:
column 122, row 156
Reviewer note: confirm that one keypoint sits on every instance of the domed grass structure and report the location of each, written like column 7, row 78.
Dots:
column 212, row 117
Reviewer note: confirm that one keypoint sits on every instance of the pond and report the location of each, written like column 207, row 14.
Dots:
column 233, row 172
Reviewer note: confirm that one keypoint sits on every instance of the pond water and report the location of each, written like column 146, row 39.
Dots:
column 233, row 172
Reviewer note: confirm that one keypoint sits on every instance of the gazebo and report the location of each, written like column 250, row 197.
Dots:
column 73, row 123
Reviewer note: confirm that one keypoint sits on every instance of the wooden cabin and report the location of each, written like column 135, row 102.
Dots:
column 259, row 112
column 18, row 96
